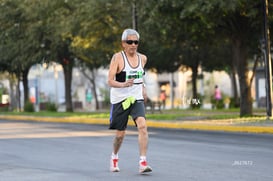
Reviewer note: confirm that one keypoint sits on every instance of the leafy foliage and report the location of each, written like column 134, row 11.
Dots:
column 219, row 35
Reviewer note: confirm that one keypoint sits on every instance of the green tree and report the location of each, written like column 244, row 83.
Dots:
column 189, row 28
column 20, row 33
column 98, row 38
column 241, row 23
column 58, row 22
column 175, row 38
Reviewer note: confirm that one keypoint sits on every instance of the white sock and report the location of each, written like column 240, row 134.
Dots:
column 114, row 156
column 142, row 158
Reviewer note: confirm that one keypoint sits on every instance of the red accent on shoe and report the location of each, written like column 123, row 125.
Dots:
column 143, row 163
column 115, row 161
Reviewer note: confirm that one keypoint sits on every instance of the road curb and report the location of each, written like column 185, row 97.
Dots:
column 190, row 125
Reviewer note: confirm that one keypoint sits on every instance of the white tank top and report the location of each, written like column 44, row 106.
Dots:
column 119, row 94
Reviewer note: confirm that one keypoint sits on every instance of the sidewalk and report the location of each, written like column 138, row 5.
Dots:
column 249, row 125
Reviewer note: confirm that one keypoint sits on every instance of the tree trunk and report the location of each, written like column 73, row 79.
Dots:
column 194, row 79
column 240, row 54
column 25, row 85
column 94, row 87
column 234, row 85
column 13, row 92
column 68, row 68
column 18, row 93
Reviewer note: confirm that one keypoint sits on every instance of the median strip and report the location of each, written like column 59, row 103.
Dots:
column 209, row 125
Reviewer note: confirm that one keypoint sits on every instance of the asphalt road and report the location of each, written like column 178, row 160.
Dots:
column 38, row 151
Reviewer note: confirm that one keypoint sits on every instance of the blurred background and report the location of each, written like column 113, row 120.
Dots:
column 54, row 55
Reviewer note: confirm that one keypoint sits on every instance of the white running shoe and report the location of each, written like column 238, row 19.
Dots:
column 144, row 167
column 114, row 165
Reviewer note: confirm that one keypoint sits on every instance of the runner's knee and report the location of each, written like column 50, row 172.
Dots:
column 120, row 134
column 142, row 128
column 141, row 123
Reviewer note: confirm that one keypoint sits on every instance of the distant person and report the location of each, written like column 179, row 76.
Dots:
column 217, row 96
column 125, row 77
column 163, row 97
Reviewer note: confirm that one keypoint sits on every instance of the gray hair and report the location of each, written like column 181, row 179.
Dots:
column 127, row 32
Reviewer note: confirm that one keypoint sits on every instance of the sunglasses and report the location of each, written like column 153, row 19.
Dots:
column 130, row 42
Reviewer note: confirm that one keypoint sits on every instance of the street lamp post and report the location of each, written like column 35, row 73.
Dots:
column 134, row 15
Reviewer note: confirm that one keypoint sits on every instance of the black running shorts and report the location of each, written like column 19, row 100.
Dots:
column 119, row 117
